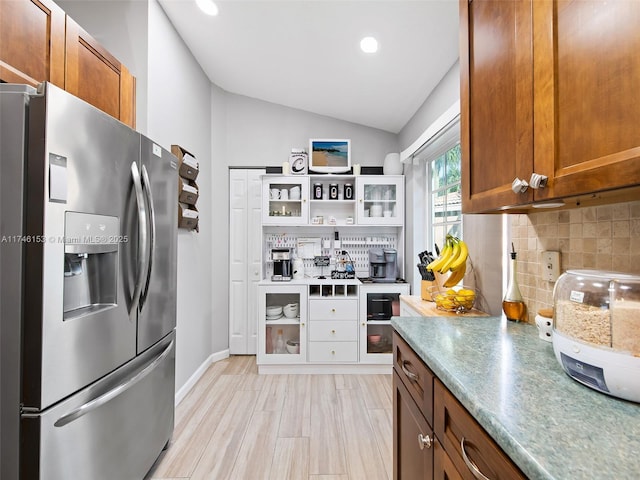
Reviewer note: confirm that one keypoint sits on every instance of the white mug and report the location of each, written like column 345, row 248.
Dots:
column 286, row 168
column 294, row 193
column 274, row 194
column 284, row 194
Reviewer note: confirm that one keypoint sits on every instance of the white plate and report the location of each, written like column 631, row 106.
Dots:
column 274, row 317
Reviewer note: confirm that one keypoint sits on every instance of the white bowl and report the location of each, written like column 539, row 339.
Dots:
column 273, row 311
column 293, row 347
column 291, row 310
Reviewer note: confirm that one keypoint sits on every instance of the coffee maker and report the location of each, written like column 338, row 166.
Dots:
column 383, row 265
column 282, row 271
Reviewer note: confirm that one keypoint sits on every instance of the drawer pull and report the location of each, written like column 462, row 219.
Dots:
column 424, row 441
column 333, row 352
column 473, row 468
column 333, row 310
column 412, row 376
column 333, row 332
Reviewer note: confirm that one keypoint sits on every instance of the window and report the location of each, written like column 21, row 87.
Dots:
column 444, row 196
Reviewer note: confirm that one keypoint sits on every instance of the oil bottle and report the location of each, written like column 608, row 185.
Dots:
column 512, row 305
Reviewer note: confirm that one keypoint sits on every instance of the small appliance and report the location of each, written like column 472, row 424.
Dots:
column 596, row 330
column 383, row 264
column 282, row 267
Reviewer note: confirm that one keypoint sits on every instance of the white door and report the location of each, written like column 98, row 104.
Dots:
column 245, row 251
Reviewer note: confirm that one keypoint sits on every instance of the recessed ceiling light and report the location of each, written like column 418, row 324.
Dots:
column 369, row 45
column 208, row 7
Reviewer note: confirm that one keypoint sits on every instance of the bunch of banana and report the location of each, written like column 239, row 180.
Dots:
column 453, row 258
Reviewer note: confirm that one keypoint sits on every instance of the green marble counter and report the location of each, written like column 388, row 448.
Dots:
column 551, row 426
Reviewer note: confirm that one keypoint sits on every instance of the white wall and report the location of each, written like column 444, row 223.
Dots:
column 179, row 113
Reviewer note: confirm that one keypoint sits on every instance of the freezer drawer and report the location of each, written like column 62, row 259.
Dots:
column 114, row 429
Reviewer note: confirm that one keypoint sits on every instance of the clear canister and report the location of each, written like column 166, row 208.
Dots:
column 599, row 308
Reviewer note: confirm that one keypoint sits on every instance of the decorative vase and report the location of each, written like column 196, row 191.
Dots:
column 392, row 164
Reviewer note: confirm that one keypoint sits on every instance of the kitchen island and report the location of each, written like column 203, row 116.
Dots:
column 551, row 426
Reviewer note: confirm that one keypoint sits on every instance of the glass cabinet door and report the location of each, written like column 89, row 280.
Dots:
column 282, row 333
column 378, row 303
column 285, row 200
column 380, row 200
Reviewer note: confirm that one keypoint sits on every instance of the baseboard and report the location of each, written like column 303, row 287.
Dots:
column 193, row 379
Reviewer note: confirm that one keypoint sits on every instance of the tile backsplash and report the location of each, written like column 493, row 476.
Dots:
column 602, row 237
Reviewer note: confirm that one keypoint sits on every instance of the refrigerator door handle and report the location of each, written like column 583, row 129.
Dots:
column 146, row 185
column 141, row 266
column 113, row 393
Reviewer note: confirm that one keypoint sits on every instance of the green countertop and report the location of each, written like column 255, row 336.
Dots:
column 551, row 426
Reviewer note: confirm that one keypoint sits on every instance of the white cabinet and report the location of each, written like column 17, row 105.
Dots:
column 285, row 200
column 378, row 303
column 293, row 330
column 375, row 200
column 333, row 323
column 380, row 200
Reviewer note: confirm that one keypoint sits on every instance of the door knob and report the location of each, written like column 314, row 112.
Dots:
column 424, row 441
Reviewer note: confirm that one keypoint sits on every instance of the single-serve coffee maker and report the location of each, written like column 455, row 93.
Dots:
column 282, row 271
column 383, row 264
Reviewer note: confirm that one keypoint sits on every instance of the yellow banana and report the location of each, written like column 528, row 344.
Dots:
column 456, row 276
column 462, row 258
column 455, row 253
column 444, row 257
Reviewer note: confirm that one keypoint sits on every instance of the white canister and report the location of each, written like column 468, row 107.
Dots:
column 298, row 269
column 544, row 322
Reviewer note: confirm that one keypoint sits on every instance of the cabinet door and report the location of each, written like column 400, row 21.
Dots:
column 468, row 445
column 285, row 200
column 97, row 77
column 496, row 102
column 31, row 42
column 443, row 467
column 412, row 437
column 587, row 106
column 270, row 325
column 380, row 200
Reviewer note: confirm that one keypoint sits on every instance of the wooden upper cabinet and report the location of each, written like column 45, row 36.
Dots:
column 31, row 42
column 38, row 43
column 551, row 87
column 587, row 105
column 97, row 77
column 496, row 65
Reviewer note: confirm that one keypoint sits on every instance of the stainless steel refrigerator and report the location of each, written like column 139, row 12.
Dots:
column 88, row 282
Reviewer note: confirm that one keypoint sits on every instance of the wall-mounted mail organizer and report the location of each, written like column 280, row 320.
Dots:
column 188, row 191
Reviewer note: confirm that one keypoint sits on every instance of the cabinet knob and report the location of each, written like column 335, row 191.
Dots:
column 473, row 468
column 333, row 310
column 333, row 332
column 333, row 352
column 424, row 441
column 364, row 324
column 302, row 324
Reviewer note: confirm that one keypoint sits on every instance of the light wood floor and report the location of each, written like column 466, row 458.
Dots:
column 236, row 424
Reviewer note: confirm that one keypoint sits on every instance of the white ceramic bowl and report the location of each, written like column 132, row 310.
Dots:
column 291, row 310
column 293, row 347
column 273, row 311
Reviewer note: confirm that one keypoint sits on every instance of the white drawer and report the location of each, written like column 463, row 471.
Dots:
column 333, row 331
column 332, row 309
column 333, row 351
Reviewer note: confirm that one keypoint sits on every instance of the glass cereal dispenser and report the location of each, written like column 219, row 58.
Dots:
column 596, row 330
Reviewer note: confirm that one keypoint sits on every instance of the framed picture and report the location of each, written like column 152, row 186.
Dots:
column 328, row 155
